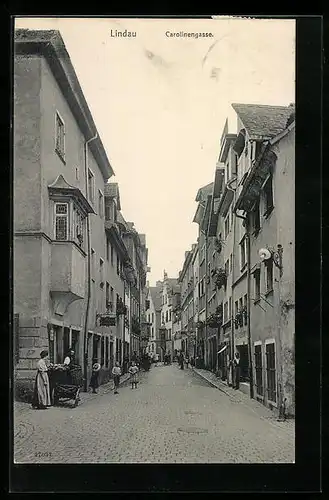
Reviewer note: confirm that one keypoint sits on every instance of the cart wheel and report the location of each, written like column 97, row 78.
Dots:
column 77, row 399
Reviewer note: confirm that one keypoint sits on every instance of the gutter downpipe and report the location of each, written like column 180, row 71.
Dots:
column 248, row 302
column 228, row 186
column 85, row 339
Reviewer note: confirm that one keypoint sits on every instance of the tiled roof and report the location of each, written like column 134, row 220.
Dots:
column 263, row 121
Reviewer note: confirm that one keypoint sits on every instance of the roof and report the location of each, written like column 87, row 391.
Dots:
column 49, row 43
column 111, row 190
column 263, row 121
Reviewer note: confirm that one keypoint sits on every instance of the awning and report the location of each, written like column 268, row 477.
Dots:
column 222, row 349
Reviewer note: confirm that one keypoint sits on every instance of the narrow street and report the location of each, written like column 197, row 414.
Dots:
column 173, row 417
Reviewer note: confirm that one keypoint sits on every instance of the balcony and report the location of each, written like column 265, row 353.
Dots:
column 67, row 274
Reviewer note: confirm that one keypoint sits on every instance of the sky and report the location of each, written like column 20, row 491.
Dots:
column 160, row 105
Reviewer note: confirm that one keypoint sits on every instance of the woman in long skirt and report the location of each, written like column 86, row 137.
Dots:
column 93, row 384
column 41, row 397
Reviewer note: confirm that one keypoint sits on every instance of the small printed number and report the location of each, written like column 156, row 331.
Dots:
column 43, row 454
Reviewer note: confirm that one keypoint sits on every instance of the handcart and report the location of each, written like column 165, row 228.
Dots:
column 66, row 383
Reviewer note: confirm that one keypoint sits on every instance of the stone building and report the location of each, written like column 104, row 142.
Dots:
column 267, row 201
column 60, row 168
column 74, row 270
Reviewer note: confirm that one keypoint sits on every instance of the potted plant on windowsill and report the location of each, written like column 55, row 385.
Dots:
column 219, row 277
column 215, row 320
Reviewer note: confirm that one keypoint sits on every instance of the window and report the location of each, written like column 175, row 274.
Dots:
column 107, row 352
column 77, row 174
column 227, row 172
column 227, row 267
column 107, row 294
column 112, row 296
column 100, row 204
column 152, row 317
column 102, row 351
column 170, row 315
column 270, row 371
column 118, row 265
column 243, row 253
column 269, row 275
column 235, row 164
column 227, row 226
column 236, row 312
column 255, row 219
column 268, row 196
column 101, row 270
column 259, row 370
column 60, row 137
column 230, row 308
column 107, row 250
column 166, row 316
column 246, row 149
column 112, row 255
column 240, row 304
column 225, row 312
column 231, row 262
column 61, row 221
column 245, row 305
column 257, row 284
column 91, row 186
column 78, row 223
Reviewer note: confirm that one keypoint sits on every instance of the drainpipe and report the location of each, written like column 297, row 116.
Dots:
column 248, row 303
column 228, row 186
column 85, row 340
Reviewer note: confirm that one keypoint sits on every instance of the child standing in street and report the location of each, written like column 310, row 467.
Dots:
column 133, row 370
column 116, row 372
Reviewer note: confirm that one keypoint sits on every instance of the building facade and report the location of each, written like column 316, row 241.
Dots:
column 74, row 272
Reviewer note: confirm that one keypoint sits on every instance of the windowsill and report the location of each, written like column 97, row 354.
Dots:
column 268, row 292
column 268, row 213
column 243, row 267
column 256, row 232
column 256, row 301
column 61, row 156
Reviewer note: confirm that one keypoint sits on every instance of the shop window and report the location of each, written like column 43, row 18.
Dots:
column 102, row 351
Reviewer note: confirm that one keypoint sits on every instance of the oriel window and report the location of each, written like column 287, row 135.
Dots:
column 61, row 221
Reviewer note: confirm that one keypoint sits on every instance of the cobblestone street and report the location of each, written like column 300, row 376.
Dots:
column 173, row 416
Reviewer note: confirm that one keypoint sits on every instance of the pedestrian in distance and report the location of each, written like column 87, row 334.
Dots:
column 187, row 360
column 93, row 384
column 181, row 361
column 41, row 396
column 236, row 364
column 116, row 372
column 133, row 370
